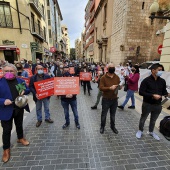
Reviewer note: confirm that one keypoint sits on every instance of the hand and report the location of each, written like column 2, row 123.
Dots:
column 156, row 96
column 113, row 87
column 7, row 102
column 69, row 96
column 37, row 96
column 120, row 87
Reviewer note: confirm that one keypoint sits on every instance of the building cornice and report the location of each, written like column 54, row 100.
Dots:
column 58, row 7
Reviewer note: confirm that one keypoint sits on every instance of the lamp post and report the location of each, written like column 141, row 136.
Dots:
column 154, row 8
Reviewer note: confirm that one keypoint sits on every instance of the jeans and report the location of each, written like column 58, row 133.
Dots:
column 7, row 127
column 129, row 94
column 73, row 105
column 99, row 95
column 147, row 108
column 106, row 105
column 45, row 102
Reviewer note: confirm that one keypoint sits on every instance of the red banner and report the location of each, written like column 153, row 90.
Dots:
column 27, row 80
column 29, row 71
column 85, row 76
column 44, row 88
column 71, row 70
column 66, row 85
column 1, row 73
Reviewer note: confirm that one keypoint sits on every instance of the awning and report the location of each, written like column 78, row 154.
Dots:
column 8, row 47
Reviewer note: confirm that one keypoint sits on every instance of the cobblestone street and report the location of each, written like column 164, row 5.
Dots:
column 52, row 148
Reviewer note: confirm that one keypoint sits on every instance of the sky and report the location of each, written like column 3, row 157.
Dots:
column 73, row 16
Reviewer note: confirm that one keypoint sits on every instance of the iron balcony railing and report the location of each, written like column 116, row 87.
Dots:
column 37, row 6
column 37, row 31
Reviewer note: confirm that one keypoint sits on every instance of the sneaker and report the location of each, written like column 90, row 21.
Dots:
column 139, row 134
column 131, row 107
column 120, row 107
column 66, row 125
column 94, row 107
column 77, row 125
column 154, row 135
column 114, row 130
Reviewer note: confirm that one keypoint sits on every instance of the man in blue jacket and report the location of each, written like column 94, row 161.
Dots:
column 8, row 109
column 45, row 101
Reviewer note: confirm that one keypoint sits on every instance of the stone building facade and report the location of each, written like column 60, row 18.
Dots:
column 133, row 37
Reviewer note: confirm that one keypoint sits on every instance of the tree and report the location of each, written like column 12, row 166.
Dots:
column 72, row 54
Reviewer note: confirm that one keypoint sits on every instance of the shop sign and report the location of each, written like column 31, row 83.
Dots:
column 34, row 46
column 18, row 51
column 8, row 42
column 24, row 45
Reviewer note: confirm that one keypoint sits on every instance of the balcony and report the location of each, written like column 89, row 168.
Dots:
column 37, row 31
column 92, row 6
column 92, row 17
column 37, row 6
column 91, row 29
column 90, row 42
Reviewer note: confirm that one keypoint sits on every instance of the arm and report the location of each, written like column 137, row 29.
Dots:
column 134, row 79
column 102, row 87
column 142, row 89
column 31, row 86
column 52, row 71
column 164, row 92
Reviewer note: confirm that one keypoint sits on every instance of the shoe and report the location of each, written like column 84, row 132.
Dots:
column 49, row 121
column 6, row 155
column 89, row 94
column 38, row 123
column 66, row 125
column 120, row 107
column 114, row 130
column 168, row 108
column 154, row 135
column 94, row 107
column 131, row 107
column 102, row 130
column 91, row 89
column 139, row 134
column 23, row 142
column 77, row 125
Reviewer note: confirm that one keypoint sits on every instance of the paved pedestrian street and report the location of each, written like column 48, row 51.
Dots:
column 52, row 148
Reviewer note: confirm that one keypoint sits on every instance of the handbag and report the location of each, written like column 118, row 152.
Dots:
column 126, row 87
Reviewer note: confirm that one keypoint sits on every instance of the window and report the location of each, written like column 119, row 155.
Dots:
column 48, row 3
column 5, row 15
column 143, row 5
column 39, row 28
column 49, row 20
column 44, row 33
column 32, row 22
column 49, row 33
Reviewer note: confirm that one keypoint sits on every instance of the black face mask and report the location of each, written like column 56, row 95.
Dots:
column 111, row 70
column 19, row 68
column 133, row 70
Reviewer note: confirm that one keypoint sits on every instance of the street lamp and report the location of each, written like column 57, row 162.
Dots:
column 154, row 8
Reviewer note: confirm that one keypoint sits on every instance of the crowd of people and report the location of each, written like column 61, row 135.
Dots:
column 109, row 78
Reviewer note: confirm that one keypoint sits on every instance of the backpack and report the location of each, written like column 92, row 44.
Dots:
column 165, row 127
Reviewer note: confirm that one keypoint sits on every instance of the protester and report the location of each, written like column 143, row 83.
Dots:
column 152, row 89
column 99, row 95
column 71, row 100
column 9, row 111
column 20, row 71
column 132, row 82
column 108, row 85
column 45, row 101
column 24, row 63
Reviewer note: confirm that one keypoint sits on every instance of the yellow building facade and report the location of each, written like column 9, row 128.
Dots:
column 22, row 30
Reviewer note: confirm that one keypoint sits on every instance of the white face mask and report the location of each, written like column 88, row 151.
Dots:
column 22, row 62
column 38, row 62
column 61, row 66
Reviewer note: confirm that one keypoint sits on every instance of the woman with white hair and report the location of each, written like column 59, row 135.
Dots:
column 9, row 111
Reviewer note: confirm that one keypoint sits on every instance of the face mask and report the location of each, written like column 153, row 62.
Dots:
column 22, row 62
column 40, row 71
column 38, row 62
column 9, row 76
column 19, row 68
column 100, row 72
column 61, row 66
column 111, row 70
column 159, row 73
column 133, row 70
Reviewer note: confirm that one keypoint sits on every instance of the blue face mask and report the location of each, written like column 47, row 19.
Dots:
column 40, row 71
column 159, row 73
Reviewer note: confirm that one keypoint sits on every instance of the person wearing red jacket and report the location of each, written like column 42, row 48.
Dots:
column 132, row 82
